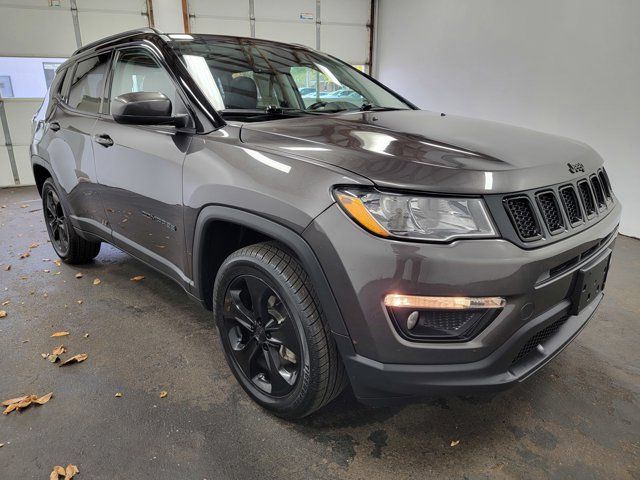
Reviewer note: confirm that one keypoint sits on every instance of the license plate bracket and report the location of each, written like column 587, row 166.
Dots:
column 589, row 283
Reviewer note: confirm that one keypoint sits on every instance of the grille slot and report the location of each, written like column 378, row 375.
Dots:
column 597, row 190
column 523, row 217
column 551, row 212
column 571, row 204
column 605, row 185
column 587, row 198
column 538, row 339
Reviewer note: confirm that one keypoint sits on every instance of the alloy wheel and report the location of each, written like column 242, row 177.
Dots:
column 262, row 335
column 56, row 222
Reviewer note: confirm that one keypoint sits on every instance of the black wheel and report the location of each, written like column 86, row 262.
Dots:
column 275, row 338
column 69, row 246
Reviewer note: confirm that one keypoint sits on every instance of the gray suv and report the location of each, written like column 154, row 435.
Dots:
column 340, row 235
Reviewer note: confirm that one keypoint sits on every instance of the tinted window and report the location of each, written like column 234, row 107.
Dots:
column 87, row 84
column 137, row 71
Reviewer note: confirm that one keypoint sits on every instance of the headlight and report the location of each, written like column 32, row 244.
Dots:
column 436, row 219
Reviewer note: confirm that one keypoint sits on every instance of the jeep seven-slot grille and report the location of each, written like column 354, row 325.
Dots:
column 587, row 198
column 571, row 204
column 557, row 210
column 551, row 212
column 523, row 217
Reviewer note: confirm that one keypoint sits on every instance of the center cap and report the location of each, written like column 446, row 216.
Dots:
column 260, row 333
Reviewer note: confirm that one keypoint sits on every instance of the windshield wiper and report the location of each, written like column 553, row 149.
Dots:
column 368, row 107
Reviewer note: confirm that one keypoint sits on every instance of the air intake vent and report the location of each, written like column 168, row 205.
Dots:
column 551, row 212
column 523, row 217
column 571, row 205
column 605, row 184
column 587, row 198
column 599, row 193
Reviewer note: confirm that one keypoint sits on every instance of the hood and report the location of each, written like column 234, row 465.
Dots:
column 421, row 150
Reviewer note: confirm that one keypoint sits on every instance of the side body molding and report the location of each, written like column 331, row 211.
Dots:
column 276, row 231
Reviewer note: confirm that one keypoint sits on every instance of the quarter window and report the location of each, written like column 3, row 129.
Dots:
column 87, row 84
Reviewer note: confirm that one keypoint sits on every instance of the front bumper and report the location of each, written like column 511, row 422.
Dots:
column 362, row 269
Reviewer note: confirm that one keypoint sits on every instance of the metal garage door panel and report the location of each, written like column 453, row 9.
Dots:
column 350, row 44
column 6, row 176
column 23, row 162
column 302, row 33
column 353, row 11
column 289, row 10
column 217, row 26
column 97, row 25
column 35, row 25
column 220, row 8
column 19, row 113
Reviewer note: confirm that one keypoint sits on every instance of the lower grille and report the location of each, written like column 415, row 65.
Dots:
column 538, row 339
column 523, row 217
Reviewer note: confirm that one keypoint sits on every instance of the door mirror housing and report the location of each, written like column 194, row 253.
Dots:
column 145, row 108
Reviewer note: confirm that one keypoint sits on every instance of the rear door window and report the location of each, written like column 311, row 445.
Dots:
column 87, row 84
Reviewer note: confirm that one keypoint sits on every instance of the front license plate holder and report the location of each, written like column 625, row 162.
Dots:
column 589, row 283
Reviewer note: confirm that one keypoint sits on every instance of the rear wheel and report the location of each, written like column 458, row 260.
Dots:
column 69, row 246
column 275, row 338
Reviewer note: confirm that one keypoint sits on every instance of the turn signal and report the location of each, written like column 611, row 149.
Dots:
column 449, row 303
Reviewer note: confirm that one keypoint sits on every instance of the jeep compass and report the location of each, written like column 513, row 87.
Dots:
column 340, row 235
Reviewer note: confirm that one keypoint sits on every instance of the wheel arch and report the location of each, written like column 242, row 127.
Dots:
column 209, row 251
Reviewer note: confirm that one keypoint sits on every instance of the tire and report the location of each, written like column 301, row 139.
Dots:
column 312, row 370
column 70, row 247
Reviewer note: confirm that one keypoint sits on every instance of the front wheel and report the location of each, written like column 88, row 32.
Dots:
column 274, row 335
column 69, row 246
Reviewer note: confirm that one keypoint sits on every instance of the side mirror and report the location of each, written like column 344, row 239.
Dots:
column 145, row 108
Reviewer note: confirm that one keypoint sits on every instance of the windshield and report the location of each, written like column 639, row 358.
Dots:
column 241, row 74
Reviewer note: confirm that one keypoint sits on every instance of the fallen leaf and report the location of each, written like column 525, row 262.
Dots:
column 57, row 471
column 43, row 399
column 137, row 278
column 60, row 334
column 454, row 443
column 3, row 313
column 1, row 445
column 70, row 472
column 6, row 302
column 79, row 302
column 81, row 357
column 46, row 271
column 96, row 281
column 24, row 206
column 118, row 395
column 44, row 355
column 86, row 335
column 59, row 350
column 23, row 404
column 45, row 295
column 14, row 400
column 163, row 394
column 24, row 255
column 33, row 245
column 10, row 409
column 7, row 268
column 57, row 262
column 53, row 358
column 79, row 275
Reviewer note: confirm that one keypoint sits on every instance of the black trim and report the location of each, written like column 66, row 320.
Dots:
column 278, row 232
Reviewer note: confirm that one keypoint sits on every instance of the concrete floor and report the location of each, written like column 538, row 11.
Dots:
column 578, row 418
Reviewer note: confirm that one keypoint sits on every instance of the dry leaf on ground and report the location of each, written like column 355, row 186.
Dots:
column 68, row 473
column 57, row 262
column 59, row 350
column 14, row 400
column 24, row 255
column 455, row 443
column 53, row 358
column 96, row 281
column 6, row 302
column 23, row 402
column 118, row 395
column 33, row 245
column 43, row 399
column 163, row 394
column 60, row 334
column 79, row 302
column 3, row 313
column 81, row 357
column 7, row 268
column 137, row 278
column 79, row 275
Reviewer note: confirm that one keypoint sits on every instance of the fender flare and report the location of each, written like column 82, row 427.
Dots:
column 280, row 233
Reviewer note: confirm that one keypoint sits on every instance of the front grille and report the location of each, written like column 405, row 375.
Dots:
column 597, row 189
column 523, row 218
column 605, row 185
column 538, row 339
column 571, row 204
column 551, row 212
column 587, row 198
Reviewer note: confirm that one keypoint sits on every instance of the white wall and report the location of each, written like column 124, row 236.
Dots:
column 570, row 67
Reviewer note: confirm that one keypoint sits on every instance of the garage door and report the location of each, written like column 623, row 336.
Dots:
column 49, row 31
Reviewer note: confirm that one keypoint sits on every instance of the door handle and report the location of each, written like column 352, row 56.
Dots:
column 104, row 140
column 55, row 126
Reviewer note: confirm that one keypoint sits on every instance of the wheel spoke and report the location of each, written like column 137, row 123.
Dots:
column 246, row 354
column 258, row 291
column 278, row 382
column 235, row 310
column 51, row 208
column 63, row 235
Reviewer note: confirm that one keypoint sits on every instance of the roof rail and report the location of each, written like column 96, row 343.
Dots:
column 117, row 36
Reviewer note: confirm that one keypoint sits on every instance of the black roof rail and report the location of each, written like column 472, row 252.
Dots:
column 117, row 36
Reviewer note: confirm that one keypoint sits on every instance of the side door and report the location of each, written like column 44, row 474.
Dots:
column 139, row 168
column 69, row 141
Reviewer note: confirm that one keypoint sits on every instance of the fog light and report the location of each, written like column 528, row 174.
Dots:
column 447, row 303
column 412, row 319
